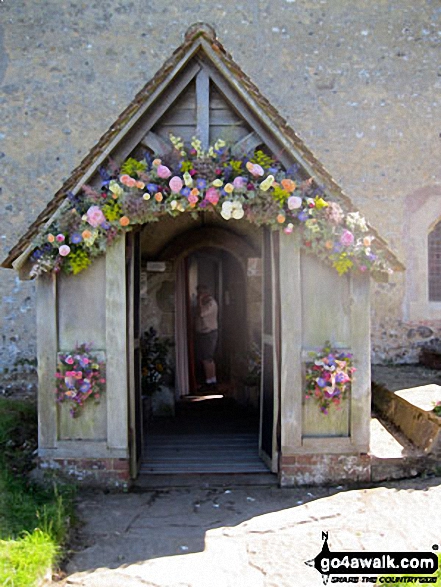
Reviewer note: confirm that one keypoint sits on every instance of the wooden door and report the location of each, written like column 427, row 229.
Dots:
column 133, row 269
column 270, row 383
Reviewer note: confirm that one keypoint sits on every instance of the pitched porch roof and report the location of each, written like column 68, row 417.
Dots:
column 200, row 40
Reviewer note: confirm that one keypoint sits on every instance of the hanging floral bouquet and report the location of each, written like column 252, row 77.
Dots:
column 328, row 377
column 80, row 377
column 251, row 186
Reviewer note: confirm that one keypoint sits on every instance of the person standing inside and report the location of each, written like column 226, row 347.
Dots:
column 206, row 327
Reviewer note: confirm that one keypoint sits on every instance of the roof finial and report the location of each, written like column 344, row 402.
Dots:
column 200, row 28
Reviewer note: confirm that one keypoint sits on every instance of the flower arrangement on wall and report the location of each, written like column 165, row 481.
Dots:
column 328, row 377
column 80, row 378
column 254, row 187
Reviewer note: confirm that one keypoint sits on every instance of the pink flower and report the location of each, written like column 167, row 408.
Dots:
column 95, row 216
column 294, row 202
column 192, row 199
column 254, row 169
column 347, row 238
column 175, row 184
column 69, row 360
column 60, row 238
column 163, row 172
column 128, row 181
column 64, row 250
column 239, row 182
column 212, row 195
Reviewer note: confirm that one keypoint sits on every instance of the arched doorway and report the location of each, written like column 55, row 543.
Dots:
column 190, row 428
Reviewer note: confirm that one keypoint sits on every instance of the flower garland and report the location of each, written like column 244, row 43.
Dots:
column 80, row 377
column 328, row 377
column 254, row 187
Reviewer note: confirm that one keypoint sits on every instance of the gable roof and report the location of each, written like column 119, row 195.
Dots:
column 200, row 40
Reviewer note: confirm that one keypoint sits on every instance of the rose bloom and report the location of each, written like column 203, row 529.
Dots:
column 163, row 172
column 239, row 182
column 124, row 221
column 347, row 238
column 175, row 184
column 294, row 202
column 192, row 198
column 212, row 195
column 95, row 216
column 86, row 234
column 288, row 185
column 64, row 250
column 128, row 181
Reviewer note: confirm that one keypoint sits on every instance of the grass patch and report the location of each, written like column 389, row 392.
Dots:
column 34, row 520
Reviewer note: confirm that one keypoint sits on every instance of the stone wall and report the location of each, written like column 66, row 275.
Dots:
column 358, row 81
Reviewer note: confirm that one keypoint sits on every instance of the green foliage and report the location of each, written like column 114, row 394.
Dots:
column 342, row 263
column 280, row 195
column 236, row 166
column 34, row 521
column 133, row 167
column 27, row 559
column 112, row 210
column 437, row 408
column 77, row 261
column 186, row 166
column 262, row 159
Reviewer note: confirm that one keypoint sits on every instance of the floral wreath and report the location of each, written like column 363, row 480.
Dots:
column 80, row 377
column 328, row 377
column 254, row 187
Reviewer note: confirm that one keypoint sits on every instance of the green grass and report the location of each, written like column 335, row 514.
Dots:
column 34, row 520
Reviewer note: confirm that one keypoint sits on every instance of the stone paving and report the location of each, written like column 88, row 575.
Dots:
column 208, row 536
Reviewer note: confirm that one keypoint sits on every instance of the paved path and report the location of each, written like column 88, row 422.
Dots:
column 244, row 536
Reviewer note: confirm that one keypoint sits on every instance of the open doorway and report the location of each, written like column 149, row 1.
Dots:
column 200, row 429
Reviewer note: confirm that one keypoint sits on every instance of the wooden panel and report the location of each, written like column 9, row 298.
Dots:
column 317, row 424
column 325, row 304
column 202, row 108
column 91, row 425
column 230, row 134
column 116, row 333
column 47, row 360
column 89, row 325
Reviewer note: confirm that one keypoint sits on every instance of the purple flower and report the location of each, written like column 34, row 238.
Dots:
column 321, row 382
column 105, row 225
column 347, row 238
column 201, row 184
column 85, row 387
column 302, row 216
column 76, row 238
column 186, row 191
column 338, row 247
column 341, row 378
column 152, row 188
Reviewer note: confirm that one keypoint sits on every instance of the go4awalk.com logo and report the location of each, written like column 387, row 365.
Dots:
column 375, row 567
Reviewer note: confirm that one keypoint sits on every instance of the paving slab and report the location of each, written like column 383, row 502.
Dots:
column 244, row 536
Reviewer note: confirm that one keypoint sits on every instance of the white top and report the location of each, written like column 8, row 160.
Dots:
column 206, row 318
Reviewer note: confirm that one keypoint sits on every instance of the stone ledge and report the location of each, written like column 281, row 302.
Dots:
column 410, row 410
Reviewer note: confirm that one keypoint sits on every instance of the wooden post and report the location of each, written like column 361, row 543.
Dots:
column 47, row 346
column 116, row 347
column 291, row 335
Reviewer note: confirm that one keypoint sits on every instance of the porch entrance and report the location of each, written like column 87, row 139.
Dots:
column 187, row 426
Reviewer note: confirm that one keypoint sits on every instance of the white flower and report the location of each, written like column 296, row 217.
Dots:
column 115, row 188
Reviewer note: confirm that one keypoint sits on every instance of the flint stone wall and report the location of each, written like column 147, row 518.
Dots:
column 359, row 82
